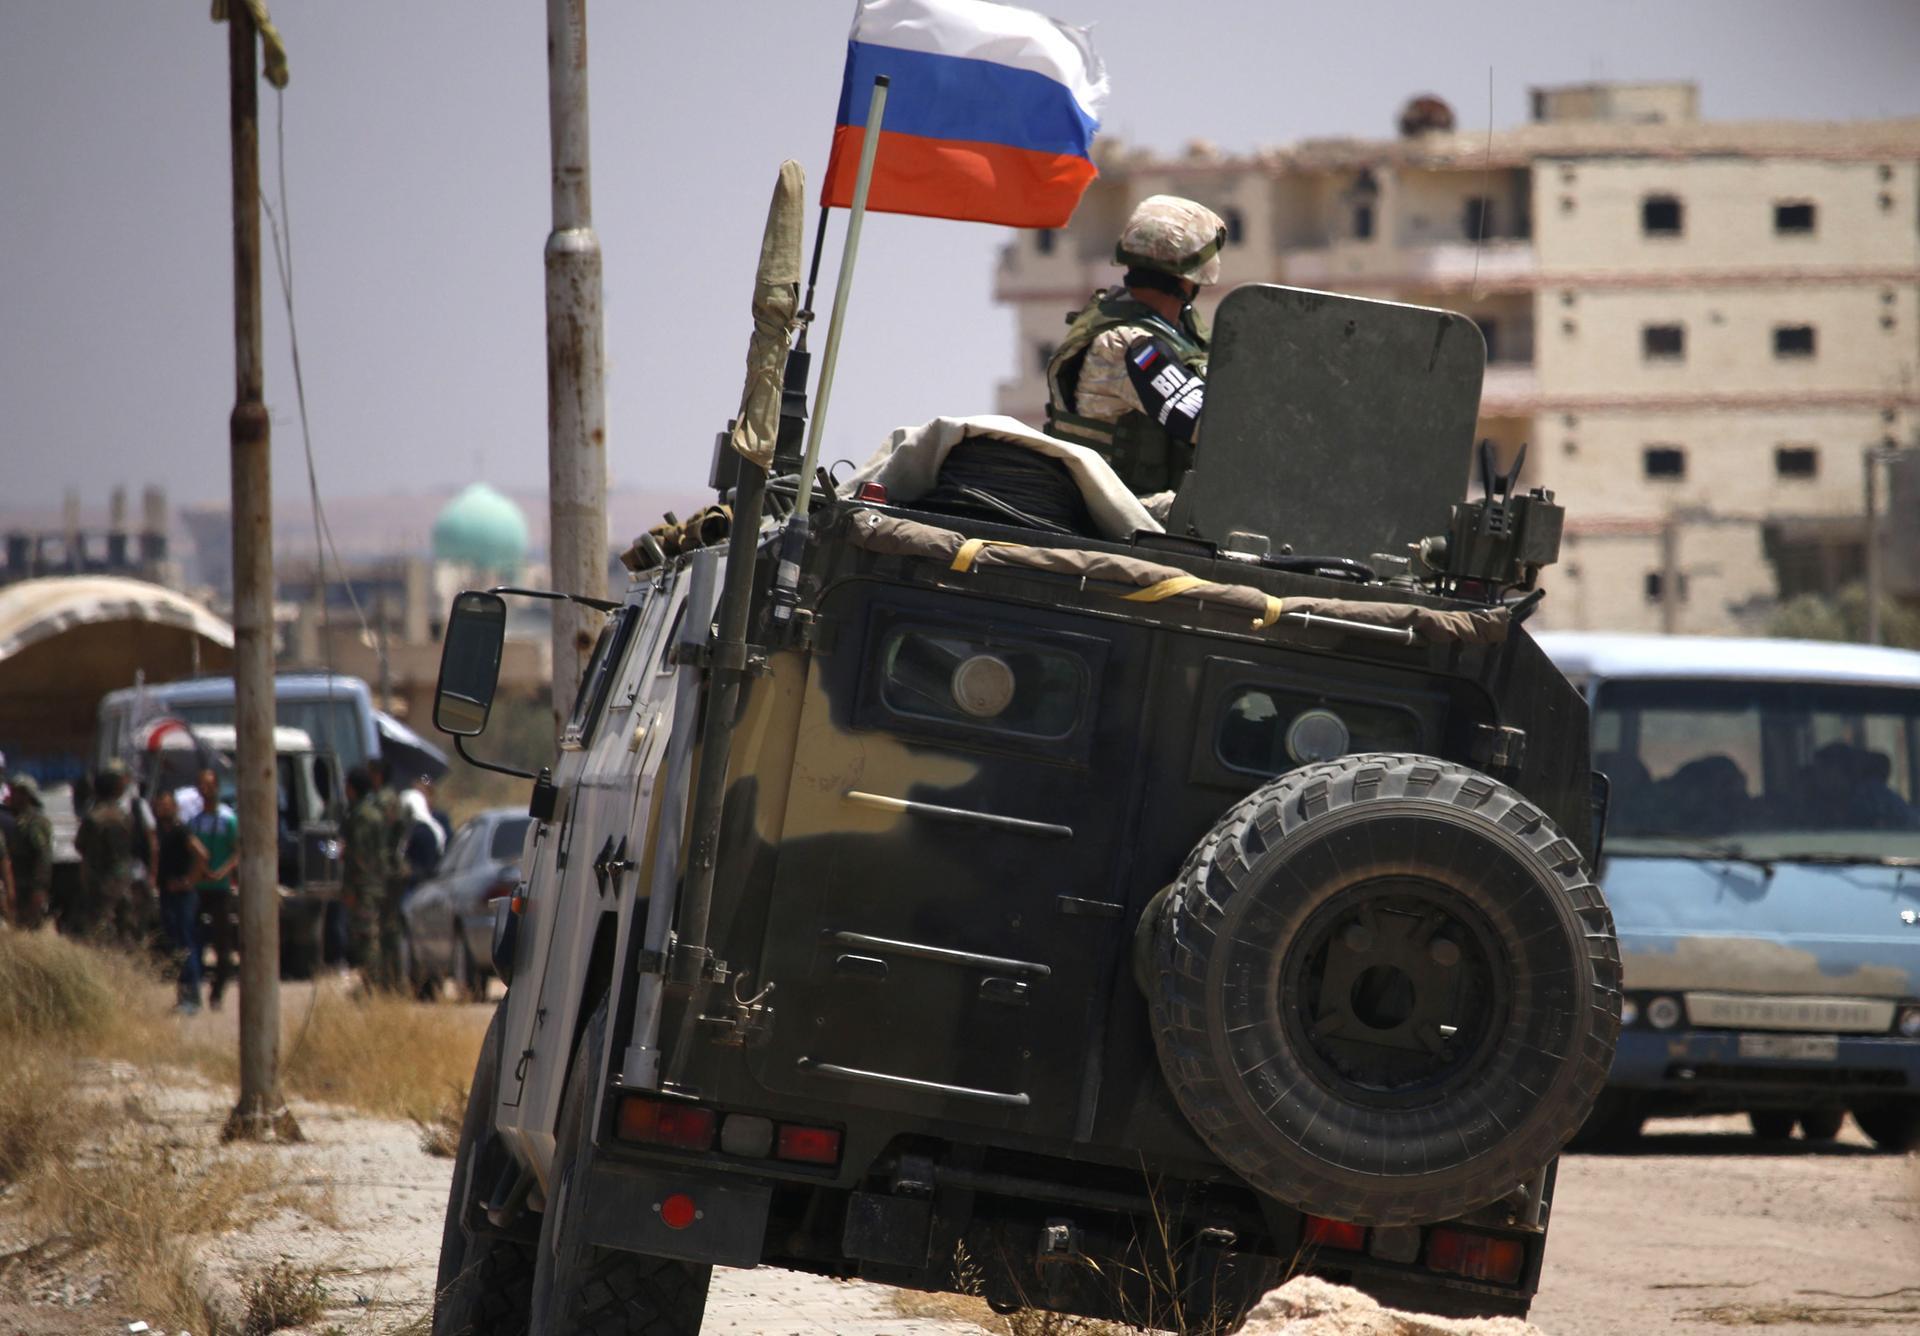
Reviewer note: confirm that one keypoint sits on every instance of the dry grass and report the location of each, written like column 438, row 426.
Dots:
column 385, row 1055
column 94, row 1182
column 280, row 1296
column 1026, row 1322
column 440, row 1134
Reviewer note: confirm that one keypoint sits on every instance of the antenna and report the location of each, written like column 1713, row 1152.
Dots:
column 1486, row 192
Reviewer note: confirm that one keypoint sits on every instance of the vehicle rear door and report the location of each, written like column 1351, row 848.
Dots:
column 944, row 918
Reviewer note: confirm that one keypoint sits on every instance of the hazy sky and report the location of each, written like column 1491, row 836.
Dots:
column 416, row 147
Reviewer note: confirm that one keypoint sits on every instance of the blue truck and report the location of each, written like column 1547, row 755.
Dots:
column 1762, row 860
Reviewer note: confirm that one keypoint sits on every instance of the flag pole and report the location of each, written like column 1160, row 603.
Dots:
column 869, row 145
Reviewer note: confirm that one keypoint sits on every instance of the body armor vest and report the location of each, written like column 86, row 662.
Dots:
column 1147, row 459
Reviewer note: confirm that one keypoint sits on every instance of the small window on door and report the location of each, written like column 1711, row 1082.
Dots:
column 971, row 679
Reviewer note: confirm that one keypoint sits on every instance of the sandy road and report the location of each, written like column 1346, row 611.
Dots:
column 1701, row 1229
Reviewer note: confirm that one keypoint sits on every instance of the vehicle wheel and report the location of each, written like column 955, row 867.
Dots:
column 1385, row 990
column 581, row 1290
column 1615, row 1123
column 485, row 1283
column 1821, row 1124
column 471, row 978
column 1771, row 1124
column 1891, row 1126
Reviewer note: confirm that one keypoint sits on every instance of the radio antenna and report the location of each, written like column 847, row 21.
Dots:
column 1486, row 192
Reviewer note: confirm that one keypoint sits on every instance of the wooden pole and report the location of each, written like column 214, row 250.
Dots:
column 261, row 1112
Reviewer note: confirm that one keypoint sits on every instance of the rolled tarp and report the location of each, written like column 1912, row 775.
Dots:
column 776, row 301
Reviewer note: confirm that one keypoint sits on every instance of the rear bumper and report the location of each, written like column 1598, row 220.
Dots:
column 1712, row 1062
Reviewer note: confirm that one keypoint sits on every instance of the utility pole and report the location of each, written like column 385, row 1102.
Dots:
column 261, row 1112
column 1670, row 573
column 576, row 392
column 1871, row 462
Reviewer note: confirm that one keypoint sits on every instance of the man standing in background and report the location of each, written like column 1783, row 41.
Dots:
column 370, row 862
column 105, row 842
column 182, row 860
column 30, row 849
column 218, row 831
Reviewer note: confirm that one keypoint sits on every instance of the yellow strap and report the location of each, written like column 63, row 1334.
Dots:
column 1178, row 584
column 1275, row 606
column 963, row 559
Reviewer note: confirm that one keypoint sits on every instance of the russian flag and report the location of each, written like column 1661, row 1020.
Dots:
column 989, row 118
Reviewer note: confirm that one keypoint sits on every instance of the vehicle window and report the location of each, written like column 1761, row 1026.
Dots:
column 1265, row 730
column 1770, row 769
column 608, row 651
column 509, row 838
column 460, row 848
column 982, row 681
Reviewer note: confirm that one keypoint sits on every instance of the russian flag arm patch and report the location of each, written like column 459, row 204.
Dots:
column 1172, row 395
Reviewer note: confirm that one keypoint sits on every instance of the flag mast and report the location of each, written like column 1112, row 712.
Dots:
column 869, row 145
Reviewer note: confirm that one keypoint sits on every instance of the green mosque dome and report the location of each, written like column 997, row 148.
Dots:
column 481, row 528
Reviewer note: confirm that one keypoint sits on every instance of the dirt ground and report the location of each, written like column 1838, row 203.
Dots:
column 1702, row 1229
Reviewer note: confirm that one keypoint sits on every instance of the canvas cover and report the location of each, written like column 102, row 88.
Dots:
column 1141, row 581
column 776, row 300
column 908, row 464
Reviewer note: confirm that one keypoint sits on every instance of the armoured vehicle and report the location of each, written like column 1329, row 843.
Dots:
column 1106, row 918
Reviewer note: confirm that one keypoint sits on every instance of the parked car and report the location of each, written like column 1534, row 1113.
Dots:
column 1762, row 844
column 447, row 922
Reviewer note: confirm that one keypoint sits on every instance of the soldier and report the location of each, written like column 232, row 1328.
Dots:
column 369, row 869
column 30, row 846
column 106, row 845
column 1128, row 380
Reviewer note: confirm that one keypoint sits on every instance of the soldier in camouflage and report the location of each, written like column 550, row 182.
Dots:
column 30, row 846
column 106, row 843
column 374, row 912
column 1129, row 379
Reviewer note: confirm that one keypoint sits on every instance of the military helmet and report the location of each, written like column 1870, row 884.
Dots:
column 24, row 785
column 1174, row 236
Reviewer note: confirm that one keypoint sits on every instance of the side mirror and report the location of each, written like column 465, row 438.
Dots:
column 470, row 664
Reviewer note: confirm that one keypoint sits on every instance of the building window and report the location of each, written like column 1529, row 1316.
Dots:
column 1663, row 343
column 1664, row 461
column 1477, row 218
column 1363, row 222
column 1793, row 220
column 1236, row 226
column 1796, row 461
column 1793, row 340
column 1662, row 216
column 1043, row 241
column 1655, row 587
column 1043, row 355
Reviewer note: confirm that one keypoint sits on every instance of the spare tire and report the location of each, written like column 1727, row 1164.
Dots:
column 1384, row 989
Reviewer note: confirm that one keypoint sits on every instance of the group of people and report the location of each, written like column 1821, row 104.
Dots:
column 159, row 871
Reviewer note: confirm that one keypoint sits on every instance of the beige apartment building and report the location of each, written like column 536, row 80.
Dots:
column 1698, row 327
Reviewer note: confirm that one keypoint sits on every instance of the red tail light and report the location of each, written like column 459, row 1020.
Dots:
column 682, row 1126
column 678, row 1211
column 809, row 1145
column 1335, row 1234
column 1476, row 1256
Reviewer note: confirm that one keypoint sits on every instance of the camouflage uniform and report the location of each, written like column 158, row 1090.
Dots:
column 105, row 841
column 366, row 884
column 31, row 850
column 1093, row 399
